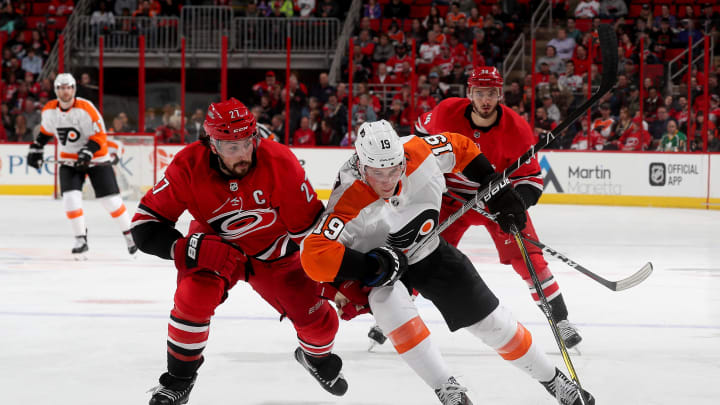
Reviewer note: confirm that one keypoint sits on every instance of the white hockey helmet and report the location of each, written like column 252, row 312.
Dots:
column 378, row 145
column 64, row 79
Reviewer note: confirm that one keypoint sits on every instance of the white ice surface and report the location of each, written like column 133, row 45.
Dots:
column 94, row 332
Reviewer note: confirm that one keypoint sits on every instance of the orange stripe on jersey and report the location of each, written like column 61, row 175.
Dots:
column 118, row 211
column 50, row 105
column 322, row 254
column 74, row 214
column 45, row 131
column 518, row 345
column 416, row 151
column 409, row 335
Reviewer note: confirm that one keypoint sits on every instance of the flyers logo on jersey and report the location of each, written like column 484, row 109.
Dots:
column 415, row 230
column 239, row 223
column 68, row 134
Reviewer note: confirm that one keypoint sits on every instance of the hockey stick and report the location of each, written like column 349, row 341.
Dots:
column 72, row 162
column 619, row 285
column 608, row 46
column 545, row 306
column 628, row 282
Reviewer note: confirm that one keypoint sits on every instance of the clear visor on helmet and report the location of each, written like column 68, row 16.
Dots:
column 237, row 147
column 384, row 174
column 480, row 93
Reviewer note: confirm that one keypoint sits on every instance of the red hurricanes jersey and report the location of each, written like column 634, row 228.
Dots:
column 502, row 143
column 266, row 213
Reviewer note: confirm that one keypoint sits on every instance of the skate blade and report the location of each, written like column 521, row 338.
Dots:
column 80, row 257
column 373, row 345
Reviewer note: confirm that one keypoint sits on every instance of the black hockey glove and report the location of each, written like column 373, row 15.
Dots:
column 35, row 155
column 506, row 204
column 392, row 264
column 83, row 159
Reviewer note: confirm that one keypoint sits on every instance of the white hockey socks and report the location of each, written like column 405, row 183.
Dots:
column 114, row 205
column 501, row 331
column 72, row 201
column 396, row 314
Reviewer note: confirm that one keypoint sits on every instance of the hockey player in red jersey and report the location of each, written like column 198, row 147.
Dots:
column 252, row 205
column 503, row 136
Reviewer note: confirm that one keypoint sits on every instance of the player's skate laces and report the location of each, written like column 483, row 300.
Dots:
column 80, row 248
column 565, row 391
column 172, row 390
column 569, row 333
column 132, row 248
column 326, row 370
column 452, row 393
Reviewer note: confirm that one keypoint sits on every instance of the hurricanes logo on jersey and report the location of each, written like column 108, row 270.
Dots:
column 236, row 224
column 68, row 134
column 415, row 230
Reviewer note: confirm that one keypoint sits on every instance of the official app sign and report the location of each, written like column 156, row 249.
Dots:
column 657, row 174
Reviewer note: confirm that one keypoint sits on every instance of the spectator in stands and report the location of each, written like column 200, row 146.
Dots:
column 399, row 117
column 554, row 62
column 587, row 9
column 382, row 76
column 32, row 115
column 433, row 18
column 663, row 36
column 145, row 10
column 552, row 110
column 688, row 30
column 486, row 48
column 458, row 76
column 613, row 8
column 474, row 20
column 672, row 140
column 124, row 4
column 322, row 90
column 306, row 7
column 713, row 141
column 304, row 136
column 425, row 102
column 454, row 14
column 21, row 131
column 542, row 122
column 264, row 87
column 646, row 15
column 438, row 90
column 653, row 101
column 362, row 67
column 709, row 19
column 664, row 15
column 32, row 62
column 428, row 51
column 284, row 7
column 396, row 9
column 40, row 44
column 86, row 89
column 277, row 126
column 102, row 21
column 587, row 140
column 194, row 126
column 605, row 123
column 443, row 62
column 384, row 50
column 7, row 120
column 337, row 113
column 366, row 43
column 658, row 126
column 363, row 111
column 564, row 46
column 634, row 138
column 581, row 60
column 372, row 10
column 570, row 79
column 572, row 31
column 463, row 33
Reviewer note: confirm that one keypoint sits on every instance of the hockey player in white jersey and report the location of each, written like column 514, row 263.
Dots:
column 386, row 201
column 83, row 152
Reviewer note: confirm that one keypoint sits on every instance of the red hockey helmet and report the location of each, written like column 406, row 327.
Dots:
column 229, row 121
column 485, row 76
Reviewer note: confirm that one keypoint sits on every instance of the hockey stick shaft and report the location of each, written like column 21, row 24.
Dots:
column 545, row 306
column 72, row 162
column 608, row 46
column 628, row 282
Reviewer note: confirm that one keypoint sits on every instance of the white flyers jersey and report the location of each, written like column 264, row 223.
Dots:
column 74, row 128
column 357, row 218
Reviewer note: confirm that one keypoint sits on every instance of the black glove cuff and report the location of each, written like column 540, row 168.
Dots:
column 92, row 146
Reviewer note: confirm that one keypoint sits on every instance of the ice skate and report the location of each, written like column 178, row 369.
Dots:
column 79, row 251
column 452, row 393
column 132, row 248
column 326, row 371
column 565, row 391
column 377, row 337
column 172, row 390
column 569, row 333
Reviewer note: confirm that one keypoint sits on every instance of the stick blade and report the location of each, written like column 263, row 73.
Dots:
column 635, row 279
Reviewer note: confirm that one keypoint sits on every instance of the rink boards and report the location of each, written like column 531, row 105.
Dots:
column 690, row 180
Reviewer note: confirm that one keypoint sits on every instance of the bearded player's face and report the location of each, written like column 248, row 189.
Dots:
column 485, row 100
column 235, row 155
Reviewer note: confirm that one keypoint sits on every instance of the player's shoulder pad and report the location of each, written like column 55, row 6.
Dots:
column 50, row 105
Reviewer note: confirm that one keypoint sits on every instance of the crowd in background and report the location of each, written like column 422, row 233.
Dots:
column 444, row 34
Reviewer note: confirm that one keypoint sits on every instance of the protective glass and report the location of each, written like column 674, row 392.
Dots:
column 479, row 93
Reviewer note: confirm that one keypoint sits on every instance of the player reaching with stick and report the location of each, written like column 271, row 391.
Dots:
column 503, row 136
column 385, row 202
column 83, row 149
column 252, row 205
